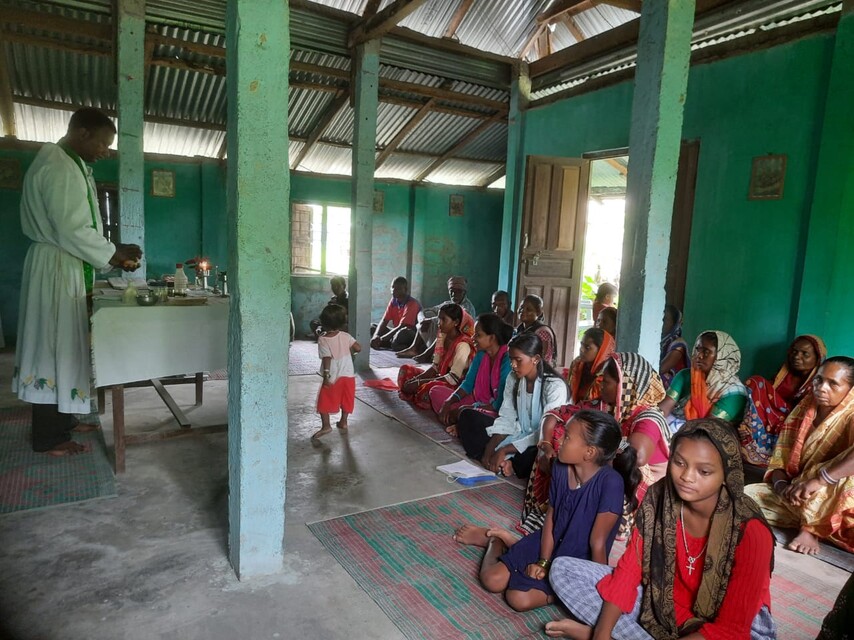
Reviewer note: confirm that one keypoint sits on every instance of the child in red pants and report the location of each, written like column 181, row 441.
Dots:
column 336, row 349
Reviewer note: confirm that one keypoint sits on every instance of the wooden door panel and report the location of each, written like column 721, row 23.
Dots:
column 553, row 236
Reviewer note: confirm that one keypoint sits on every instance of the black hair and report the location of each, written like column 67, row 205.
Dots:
column 535, row 300
column 596, row 334
column 843, row 361
column 501, row 293
column 399, row 280
column 453, row 311
column 711, row 336
column 611, row 369
column 333, row 317
column 492, row 325
column 531, row 345
column 91, row 119
column 609, row 311
column 605, row 289
column 601, row 430
column 338, row 280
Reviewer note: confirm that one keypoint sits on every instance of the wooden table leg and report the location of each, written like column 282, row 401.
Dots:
column 200, row 380
column 102, row 401
column 119, row 426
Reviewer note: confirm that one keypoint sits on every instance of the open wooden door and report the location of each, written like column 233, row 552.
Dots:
column 552, row 243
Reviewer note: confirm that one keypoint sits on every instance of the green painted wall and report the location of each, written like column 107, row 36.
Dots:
column 194, row 223
column 746, row 257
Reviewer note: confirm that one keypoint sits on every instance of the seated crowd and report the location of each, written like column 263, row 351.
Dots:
column 614, row 446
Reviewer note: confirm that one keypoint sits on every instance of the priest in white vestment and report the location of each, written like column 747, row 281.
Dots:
column 59, row 213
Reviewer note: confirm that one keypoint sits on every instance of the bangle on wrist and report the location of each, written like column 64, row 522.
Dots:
column 778, row 482
column 827, row 477
column 544, row 563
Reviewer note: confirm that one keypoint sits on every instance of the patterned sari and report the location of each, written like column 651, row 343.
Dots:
column 803, row 449
column 769, row 403
column 546, row 335
column 581, row 390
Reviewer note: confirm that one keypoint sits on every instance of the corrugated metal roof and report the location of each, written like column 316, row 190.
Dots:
column 324, row 158
column 294, row 148
column 403, row 167
column 437, row 133
column 489, row 145
column 305, row 108
column 463, row 172
column 500, row 26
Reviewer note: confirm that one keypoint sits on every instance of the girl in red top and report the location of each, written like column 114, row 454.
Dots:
column 702, row 555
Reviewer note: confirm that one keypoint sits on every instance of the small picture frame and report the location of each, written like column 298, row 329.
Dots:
column 10, row 174
column 767, row 177
column 457, row 206
column 379, row 201
column 162, row 183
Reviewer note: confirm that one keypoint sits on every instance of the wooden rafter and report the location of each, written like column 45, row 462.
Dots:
column 457, row 18
column 563, row 6
column 371, row 8
column 381, row 23
column 628, row 5
column 338, row 103
column 532, row 39
column 570, row 24
column 7, row 107
column 414, row 121
column 495, row 175
column 619, row 166
column 57, row 24
column 544, row 43
column 458, row 146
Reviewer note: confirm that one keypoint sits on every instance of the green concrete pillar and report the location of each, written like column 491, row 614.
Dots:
column 130, row 71
column 366, row 63
column 661, row 81
column 514, row 180
column 826, row 303
column 259, row 267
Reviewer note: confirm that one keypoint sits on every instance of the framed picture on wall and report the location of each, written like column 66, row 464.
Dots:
column 767, row 177
column 162, row 183
column 379, row 201
column 457, row 207
column 10, row 174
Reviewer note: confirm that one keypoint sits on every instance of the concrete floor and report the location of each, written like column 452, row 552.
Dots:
column 152, row 562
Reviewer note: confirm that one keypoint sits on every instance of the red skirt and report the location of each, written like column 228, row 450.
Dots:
column 340, row 396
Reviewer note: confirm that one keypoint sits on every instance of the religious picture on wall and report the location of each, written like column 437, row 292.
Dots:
column 379, row 201
column 767, row 177
column 457, row 206
column 10, row 174
column 162, row 183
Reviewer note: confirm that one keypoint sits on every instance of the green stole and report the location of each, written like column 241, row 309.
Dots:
column 88, row 269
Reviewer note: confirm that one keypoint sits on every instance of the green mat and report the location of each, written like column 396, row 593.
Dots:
column 30, row 480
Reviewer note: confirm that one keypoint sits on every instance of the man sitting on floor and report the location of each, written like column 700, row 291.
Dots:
column 396, row 330
column 425, row 339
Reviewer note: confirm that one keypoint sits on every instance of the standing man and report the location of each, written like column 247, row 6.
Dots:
column 59, row 213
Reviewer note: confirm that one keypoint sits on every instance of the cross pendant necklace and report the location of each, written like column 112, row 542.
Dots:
column 691, row 559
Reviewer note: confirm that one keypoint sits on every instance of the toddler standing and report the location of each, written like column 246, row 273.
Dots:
column 335, row 348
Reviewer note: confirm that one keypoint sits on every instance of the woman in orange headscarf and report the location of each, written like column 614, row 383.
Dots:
column 769, row 402
column 585, row 372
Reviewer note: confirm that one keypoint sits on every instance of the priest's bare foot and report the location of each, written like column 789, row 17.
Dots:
column 470, row 534
column 568, row 629
column 805, row 543
column 85, row 427
column 69, row 448
column 505, row 469
column 321, row 433
column 507, row 537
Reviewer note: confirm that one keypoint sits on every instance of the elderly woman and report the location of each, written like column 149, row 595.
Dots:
column 531, row 320
column 674, row 355
column 769, row 403
column 585, row 372
column 710, row 388
column 810, row 478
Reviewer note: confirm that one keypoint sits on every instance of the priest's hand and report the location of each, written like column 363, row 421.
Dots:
column 127, row 257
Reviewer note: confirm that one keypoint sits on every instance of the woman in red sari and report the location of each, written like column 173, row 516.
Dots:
column 453, row 354
column 769, row 403
column 585, row 372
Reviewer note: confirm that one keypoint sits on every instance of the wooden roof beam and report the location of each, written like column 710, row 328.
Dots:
column 7, row 106
column 57, row 24
column 339, row 102
column 461, row 144
column 628, row 5
column 619, row 166
column 457, row 18
column 573, row 27
column 563, row 6
column 413, row 122
column 532, row 39
column 381, row 23
column 495, row 175
column 371, row 8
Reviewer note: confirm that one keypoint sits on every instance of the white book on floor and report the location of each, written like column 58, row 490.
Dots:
column 464, row 469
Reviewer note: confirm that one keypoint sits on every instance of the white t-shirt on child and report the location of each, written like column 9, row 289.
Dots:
column 338, row 348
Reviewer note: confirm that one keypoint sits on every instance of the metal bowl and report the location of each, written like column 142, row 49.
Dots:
column 146, row 299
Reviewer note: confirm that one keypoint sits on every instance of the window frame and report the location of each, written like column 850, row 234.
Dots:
column 324, row 231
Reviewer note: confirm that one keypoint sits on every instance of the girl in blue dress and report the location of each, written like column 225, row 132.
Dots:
column 594, row 473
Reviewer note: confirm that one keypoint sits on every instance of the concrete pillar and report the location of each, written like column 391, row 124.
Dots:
column 826, row 302
column 130, row 71
column 514, row 180
column 366, row 100
column 258, row 192
column 661, row 80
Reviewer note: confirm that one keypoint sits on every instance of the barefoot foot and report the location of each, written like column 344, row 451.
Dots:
column 85, row 427
column 805, row 542
column 452, row 430
column 505, row 469
column 568, row 629
column 507, row 537
column 423, row 358
column 69, row 448
column 470, row 534
column 321, row 433
column 342, row 424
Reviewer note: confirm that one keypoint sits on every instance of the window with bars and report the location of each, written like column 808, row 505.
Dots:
column 320, row 239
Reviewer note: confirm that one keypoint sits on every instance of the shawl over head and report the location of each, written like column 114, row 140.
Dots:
column 591, row 392
column 657, row 519
column 820, row 353
column 639, row 393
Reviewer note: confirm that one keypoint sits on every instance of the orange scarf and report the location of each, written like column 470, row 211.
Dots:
column 699, row 405
column 591, row 392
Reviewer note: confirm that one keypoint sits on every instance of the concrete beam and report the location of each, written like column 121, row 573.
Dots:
column 130, row 73
column 366, row 100
column 260, row 269
column 661, row 82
